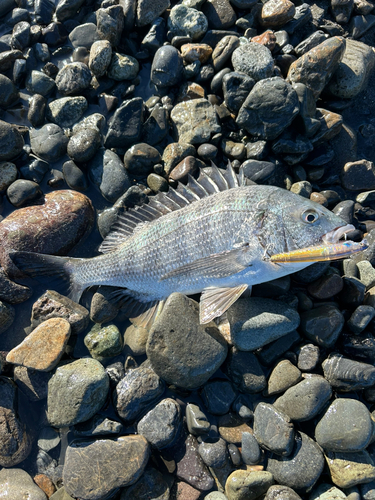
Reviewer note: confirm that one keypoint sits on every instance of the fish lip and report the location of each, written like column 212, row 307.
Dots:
column 337, row 233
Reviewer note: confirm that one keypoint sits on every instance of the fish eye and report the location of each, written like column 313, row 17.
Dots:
column 310, row 216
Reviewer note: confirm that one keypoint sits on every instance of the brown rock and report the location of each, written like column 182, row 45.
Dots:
column 220, row 14
column 318, row 198
column 316, row 67
column 53, row 305
column 189, row 91
column 223, row 51
column 231, row 428
column 267, row 38
column 45, row 484
column 43, row 348
column 187, row 166
column 192, row 52
column 277, row 12
column 174, row 153
column 186, row 492
column 331, row 124
column 15, row 442
column 54, row 227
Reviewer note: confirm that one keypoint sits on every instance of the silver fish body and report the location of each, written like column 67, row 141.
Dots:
column 216, row 244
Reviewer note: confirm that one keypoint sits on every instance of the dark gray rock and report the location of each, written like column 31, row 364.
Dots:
column 11, row 141
column 256, row 322
column 66, row 111
column 245, row 371
column 302, row 468
column 11, row 292
column 73, row 78
column 190, row 466
column 48, row 142
column 152, row 484
column 44, row 10
column 306, row 399
column 97, row 426
column 39, row 83
column 213, row 452
column 83, row 145
column 283, row 376
column 33, row 383
column 136, row 392
column 223, row 51
column 353, row 293
column 18, row 484
column 167, row 67
column 110, row 23
column 75, row 177
column 108, row 172
column 156, row 127
column 76, row 392
column 270, row 353
column 124, row 128
column 65, row 9
column 7, row 6
column 21, row 192
column 15, row 441
column 149, row 10
column 218, row 395
column 181, row 350
column 236, row 87
column 7, row 315
column 311, row 273
column 37, row 108
column 322, row 325
column 161, row 424
column 346, row 374
column 308, row 357
column 360, row 318
column 220, row 14
column 345, row 426
column 140, row 159
column 118, row 462
column 253, row 59
column 9, row 93
column 258, row 171
column 250, row 450
column 257, row 114
column 84, row 35
column 196, row 420
column 273, row 429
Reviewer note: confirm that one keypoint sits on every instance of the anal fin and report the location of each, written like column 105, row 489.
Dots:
column 215, row 301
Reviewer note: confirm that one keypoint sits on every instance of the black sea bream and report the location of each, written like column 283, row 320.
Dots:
column 212, row 236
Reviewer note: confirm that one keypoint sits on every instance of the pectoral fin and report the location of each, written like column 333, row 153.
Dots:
column 215, row 301
column 217, row 265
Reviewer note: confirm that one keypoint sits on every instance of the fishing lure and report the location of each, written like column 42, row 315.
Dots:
column 323, row 252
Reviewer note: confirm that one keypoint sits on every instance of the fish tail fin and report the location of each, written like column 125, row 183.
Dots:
column 57, row 273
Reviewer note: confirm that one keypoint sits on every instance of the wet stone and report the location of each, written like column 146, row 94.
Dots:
column 283, row 376
column 8, row 174
column 257, row 113
column 156, row 126
column 149, row 10
column 268, row 39
column 109, row 174
column 245, row 371
column 48, row 142
column 316, row 67
column 250, row 450
column 34, row 384
column 346, row 374
column 48, row 439
column 119, row 462
column 186, row 21
column 137, row 391
column 360, row 24
column 161, row 424
column 218, row 395
column 258, row 171
column 188, row 165
column 124, row 128
column 9, row 93
column 306, row 399
column 196, row 420
column 39, row 83
column 15, row 441
column 174, row 153
column 83, row 145
column 190, row 466
column 53, row 305
column 45, row 484
column 84, row 35
column 141, row 158
column 236, row 87
column 152, row 484
column 247, row 484
column 22, row 191
column 231, row 428
column 167, row 67
column 213, row 452
column 302, row 468
column 74, row 176
column 345, row 426
column 353, row 292
column 16, row 483
column 37, row 107
column 322, row 324
column 43, row 348
column 65, row 9
column 11, row 141
column 254, row 60
column 276, row 13
column 104, row 342
column 360, row 318
column 73, row 78
column 97, row 426
column 223, row 51
column 273, row 429
column 350, row 469
column 185, row 354
column 256, row 322
column 66, row 111
column 220, row 14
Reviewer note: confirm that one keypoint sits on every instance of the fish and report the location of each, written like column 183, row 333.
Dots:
column 324, row 252
column 210, row 236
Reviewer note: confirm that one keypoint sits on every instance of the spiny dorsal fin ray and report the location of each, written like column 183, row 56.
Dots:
column 211, row 180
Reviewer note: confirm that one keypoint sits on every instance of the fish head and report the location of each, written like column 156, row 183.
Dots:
column 302, row 223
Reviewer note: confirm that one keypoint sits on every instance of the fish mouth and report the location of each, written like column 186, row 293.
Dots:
column 335, row 235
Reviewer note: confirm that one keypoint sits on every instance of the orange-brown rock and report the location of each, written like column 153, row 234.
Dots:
column 53, row 227
column 331, row 124
column 43, row 348
column 45, row 484
column 192, row 52
column 267, row 38
column 189, row 91
column 231, row 428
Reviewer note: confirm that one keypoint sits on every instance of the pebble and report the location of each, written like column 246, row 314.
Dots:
column 135, row 340
column 245, row 371
column 21, row 192
column 253, row 59
column 15, row 437
column 305, row 400
column 148, row 11
column 277, row 13
column 152, row 484
column 98, row 425
column 279, row 492
column 187, row 21
column 118, row 462
column 345, row 374
column 190, row 466
column 195, row 121
column 43, row 348
column 308, row 357
column 258, row 171
column 339, row 430
column 218, row 396
column 302, row 468
column 257, row 112
column 283, row 376
column 124, row 128
column 16, row 483
column 322, row 325
column 360, row 318
column 76, row 391
column 137, row 391
column 104, row 342
column 122, row 67
column 247, row 484
column 49, row 142
column 184, row 354
column 220, row 14
column 109, row 174
column 45, row 484
column 100, row 57
column 196, row 420
column 74, row 176
column 273, row 429
column 48, row 439
column 250, row 450
column 161, row 424
column 12, row 292
column 231, row 428
column 73, row 78
column 358, row 175
column 37, row 108
column 141, row 158
column 84, row 35
column 213, row 452
column 66, row 111
column 83, row 145
column 32, row 383
column 110, row 23
column 188, row 165
column 40, row 83
column 11, row 141
column 9, row 93
column 350, row 469
column 353, row 292
column 255, row 322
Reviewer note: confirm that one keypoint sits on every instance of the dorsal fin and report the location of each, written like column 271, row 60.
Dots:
column 210, row 181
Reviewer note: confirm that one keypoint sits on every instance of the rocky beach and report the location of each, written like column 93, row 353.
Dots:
column 103, row 105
